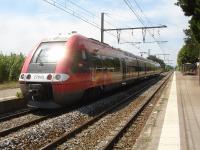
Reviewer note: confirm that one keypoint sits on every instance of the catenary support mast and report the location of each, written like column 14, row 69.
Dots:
column 120, row 29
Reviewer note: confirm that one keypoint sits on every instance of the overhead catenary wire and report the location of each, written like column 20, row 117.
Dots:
column 128, row 3
column 142, row 12
column 135, row 37
column 70, row 11
column 63, row 7
column 142, row 22
column 87, row 11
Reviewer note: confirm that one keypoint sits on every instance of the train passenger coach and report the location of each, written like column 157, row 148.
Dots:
column 61, row 71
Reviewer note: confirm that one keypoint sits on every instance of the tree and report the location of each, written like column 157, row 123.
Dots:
column 190, row 51
column 192, row 8
column 187, row 54
column 155, row 59
column 168, row 68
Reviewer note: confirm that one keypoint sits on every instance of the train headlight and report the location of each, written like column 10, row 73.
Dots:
column 22, row 76
column 49, row 77
column 58, row 77
column 28, row 76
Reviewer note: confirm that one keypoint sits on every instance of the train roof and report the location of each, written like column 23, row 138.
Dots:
column 122, row 51
column 64, row 39
column 55, row 39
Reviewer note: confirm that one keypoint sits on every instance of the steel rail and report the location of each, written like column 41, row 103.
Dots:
column 14, row 129
column 117, row 136
column 71, row 134
column 35, row 121
column 17, row 114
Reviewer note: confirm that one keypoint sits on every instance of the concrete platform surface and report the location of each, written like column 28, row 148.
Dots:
column 188, row 94
column 175, row 121
column 8, row 93
column 170, row 136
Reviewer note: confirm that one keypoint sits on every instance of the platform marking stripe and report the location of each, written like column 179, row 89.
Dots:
column 170, row 136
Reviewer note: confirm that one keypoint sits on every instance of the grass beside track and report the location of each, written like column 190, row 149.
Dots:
column 9, row 85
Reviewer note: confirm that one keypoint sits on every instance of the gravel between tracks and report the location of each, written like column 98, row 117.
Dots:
column 38, row 135
column 18, row 121
column 96, row 135
column 131, row 135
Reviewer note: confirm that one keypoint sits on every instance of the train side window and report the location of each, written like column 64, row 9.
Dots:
column 117, row 64
column 95, row 62
column 79, row 64
column 108, row 63
column 84, row 56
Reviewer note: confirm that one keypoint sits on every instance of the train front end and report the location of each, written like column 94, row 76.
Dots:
column 41, row 70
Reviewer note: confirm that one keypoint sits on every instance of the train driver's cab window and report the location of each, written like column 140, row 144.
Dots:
column 80, row 63
column 83, row 53
column 49, row 52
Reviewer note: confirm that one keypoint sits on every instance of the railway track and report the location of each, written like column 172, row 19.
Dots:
column 42, row 133
column 20, row 120
column 24, row 119
column 17, row 127
column 16, row 114
column 124, row 138
column 78, row 132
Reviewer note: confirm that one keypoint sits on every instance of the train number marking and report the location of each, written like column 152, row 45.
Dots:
column 38, row 77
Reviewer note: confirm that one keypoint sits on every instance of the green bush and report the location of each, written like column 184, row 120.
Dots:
column 10, row 66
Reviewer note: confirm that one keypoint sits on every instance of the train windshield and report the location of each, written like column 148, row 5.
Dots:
column 49, row 52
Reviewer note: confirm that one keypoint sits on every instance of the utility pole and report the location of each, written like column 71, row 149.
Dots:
column 102, row 27
column 120, row 29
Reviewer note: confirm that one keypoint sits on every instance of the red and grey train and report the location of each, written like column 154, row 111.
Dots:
column 61, row 71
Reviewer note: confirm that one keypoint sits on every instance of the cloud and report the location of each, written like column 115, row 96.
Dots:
column 20, row 32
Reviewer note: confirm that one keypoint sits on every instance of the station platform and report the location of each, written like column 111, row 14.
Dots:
column 175, row 122
column 8, row 94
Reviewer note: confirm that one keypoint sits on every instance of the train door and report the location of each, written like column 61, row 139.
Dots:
column 108, row 69
column 138, row 68
column 96, row 69
column 123, row 64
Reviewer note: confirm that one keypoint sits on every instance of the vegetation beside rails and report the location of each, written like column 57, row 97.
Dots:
column 10, row 68
column 190, row 52
column 19, row 95
column 164, row 66
column 9, row 85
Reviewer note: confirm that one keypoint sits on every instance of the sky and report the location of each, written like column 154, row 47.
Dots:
column 24, row 23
